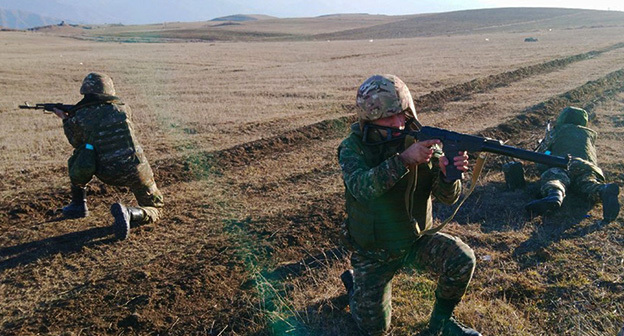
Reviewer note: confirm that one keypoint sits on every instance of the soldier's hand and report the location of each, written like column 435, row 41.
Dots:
column 460, row 161
column 418, row 152
column 59, row 113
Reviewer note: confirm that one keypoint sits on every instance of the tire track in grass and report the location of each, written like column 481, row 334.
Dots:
column 436, row 100
column 245, row 153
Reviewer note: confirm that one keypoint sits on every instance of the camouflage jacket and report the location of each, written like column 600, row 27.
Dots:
column 570, row 139
column 104, row 122
column 376, row 190
column 571, row 136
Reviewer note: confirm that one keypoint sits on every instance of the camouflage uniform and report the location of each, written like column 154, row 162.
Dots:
column 383, row 235
column 104, row 121
column 570, row 136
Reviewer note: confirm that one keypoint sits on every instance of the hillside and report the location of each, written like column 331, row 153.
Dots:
column 243, row 17
column 61, row 29
column 364, row 27
column 481, row 21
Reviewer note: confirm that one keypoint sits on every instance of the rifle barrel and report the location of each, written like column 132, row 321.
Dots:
column 523, row 154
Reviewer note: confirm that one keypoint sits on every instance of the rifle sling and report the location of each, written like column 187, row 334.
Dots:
column 475, row 176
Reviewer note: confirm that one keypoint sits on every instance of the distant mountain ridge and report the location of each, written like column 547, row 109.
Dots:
column 120, row 11
column 17, row 19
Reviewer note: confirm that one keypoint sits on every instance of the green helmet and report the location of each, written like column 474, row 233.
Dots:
column 572, row 115
column 382, row 96
column 97, row 83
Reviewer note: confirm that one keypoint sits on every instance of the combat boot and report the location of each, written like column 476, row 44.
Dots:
column 443, row 323
column 547, row 204
column 78, row 206
column 347, row 281
column 610, row 204
column 125, row 218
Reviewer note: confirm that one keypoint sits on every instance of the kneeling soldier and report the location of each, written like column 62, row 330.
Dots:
column 389, row 182
column 101, row 132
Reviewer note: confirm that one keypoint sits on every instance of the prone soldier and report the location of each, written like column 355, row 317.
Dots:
column 571, row 136
column 389, row 182
column 100, row 129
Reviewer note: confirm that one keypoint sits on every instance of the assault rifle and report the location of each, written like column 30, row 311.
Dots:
column 546, row 137
column 454, row 142
column 47, row 107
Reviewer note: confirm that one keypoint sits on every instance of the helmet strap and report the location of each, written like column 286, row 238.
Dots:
column 368, row 127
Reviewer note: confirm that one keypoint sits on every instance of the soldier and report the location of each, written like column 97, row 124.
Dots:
column 571, row 136
column 385, row 174
column 99, row 126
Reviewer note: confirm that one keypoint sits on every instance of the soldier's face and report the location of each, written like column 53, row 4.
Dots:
column 394, row 121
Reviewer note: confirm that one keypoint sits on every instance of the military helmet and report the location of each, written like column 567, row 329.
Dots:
column 97, row 83
column 573, row 115
column 382, row 96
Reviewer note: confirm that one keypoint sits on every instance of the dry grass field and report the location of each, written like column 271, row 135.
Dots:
column 242, row 138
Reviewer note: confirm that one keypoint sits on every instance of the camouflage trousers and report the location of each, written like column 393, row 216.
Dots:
column 149, row 198
column 582, row 177
column 143, row 186
column 442, row 255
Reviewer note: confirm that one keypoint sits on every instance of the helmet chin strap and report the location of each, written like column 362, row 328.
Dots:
column 388, row 137
column 413, row 121
column 390, row 131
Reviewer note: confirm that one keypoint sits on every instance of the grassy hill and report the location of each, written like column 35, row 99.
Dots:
column 481, row 20
column 361, row 26
column 243, row 17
